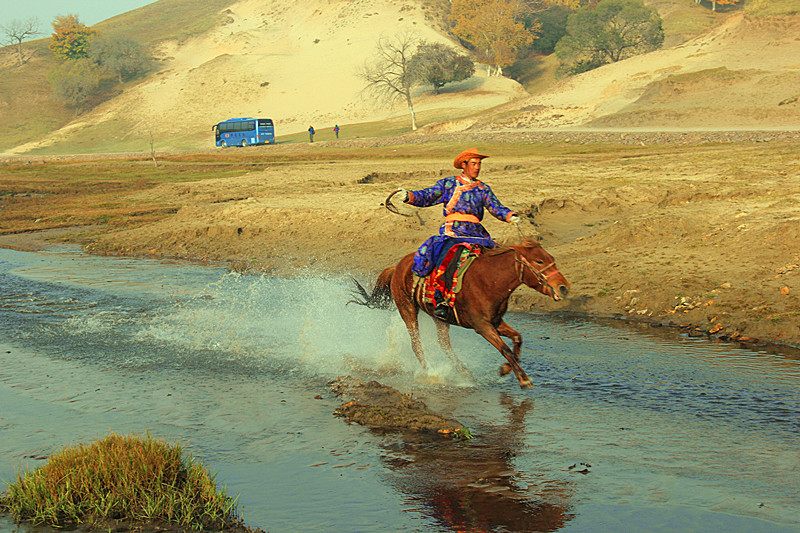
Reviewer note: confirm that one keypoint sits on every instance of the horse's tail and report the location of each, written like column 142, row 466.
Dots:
column 381, row 297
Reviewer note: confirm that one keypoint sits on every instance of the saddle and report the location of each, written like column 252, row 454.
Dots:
column 443, row 284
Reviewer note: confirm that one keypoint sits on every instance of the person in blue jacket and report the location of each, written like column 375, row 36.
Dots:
column 464, row 199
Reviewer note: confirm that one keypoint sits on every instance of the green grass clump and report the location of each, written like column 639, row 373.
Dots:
column 121, row 478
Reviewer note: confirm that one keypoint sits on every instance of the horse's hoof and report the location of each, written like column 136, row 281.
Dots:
column 505, row 368
column 526, row 385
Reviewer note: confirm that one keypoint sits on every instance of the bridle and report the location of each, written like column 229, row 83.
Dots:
column 540, row 275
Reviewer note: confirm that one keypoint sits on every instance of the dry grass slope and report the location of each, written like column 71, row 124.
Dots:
column 297, row 63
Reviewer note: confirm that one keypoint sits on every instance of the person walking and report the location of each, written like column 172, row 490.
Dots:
column 336, row 130
column 311, row 134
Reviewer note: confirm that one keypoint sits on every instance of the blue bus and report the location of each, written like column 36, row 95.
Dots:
column 244, row 131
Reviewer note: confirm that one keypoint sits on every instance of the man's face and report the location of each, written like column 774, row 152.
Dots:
column 472, row 168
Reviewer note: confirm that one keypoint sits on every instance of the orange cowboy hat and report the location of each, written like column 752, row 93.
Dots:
column 466, row 155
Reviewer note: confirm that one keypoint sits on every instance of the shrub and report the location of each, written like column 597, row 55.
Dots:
column 124, row 58
column 119, row 478
column 437, row 64
column 75, row 82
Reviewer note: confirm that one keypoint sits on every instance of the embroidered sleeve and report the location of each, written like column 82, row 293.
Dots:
column 493, row 205
column 428, row 197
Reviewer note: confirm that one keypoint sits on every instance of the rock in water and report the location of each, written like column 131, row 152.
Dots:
column 378, row 406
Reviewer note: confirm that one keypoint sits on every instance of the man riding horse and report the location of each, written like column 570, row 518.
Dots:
column 464, row 199
column 484, row 289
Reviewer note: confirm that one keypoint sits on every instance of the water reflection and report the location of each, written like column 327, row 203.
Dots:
column 474, row 485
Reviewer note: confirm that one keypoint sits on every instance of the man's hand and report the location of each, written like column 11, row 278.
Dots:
column 403, row 194
column 514, row 219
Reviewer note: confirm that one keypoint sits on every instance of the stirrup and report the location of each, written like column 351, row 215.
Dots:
column 442, row 311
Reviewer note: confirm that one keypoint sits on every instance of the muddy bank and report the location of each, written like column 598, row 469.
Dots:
column 381, row 407
column 668, row 228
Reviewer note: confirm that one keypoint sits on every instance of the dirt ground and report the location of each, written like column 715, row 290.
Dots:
column 698, row 230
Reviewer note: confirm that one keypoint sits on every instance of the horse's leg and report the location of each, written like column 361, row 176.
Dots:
column 488, row 332
column 408, row 312
column 507, row 331
column 443, row 334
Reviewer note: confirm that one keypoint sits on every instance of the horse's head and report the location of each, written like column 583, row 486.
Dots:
column 537, row 269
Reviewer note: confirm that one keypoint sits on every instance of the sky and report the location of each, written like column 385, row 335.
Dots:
column 89, row 11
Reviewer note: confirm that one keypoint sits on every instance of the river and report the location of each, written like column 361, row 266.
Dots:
column 626, row 429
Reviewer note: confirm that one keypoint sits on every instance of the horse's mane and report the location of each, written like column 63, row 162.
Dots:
column 504, row 247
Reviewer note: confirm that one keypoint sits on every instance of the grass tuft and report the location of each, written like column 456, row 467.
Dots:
column 125, row 478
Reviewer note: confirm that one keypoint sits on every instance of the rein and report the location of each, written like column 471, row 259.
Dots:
column 391, row 207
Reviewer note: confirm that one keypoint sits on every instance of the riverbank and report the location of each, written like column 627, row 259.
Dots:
column 672, row 229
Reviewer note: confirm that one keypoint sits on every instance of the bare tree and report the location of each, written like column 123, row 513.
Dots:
column 17, row 31
column 389, row 75
column 152, row 144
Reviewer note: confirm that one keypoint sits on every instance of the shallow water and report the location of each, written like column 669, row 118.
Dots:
column 630, row 430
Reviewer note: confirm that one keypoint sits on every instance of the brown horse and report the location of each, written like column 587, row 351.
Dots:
column 481, row 302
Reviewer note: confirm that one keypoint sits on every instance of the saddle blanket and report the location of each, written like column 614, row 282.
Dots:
column 444, row 282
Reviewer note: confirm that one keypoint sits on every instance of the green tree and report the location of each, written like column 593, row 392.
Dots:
column 609, row 32
column 438, row 64
column 70, row 39
column 494, row 28
column 389, row 75
column 18, row 31
column 75, row 82
column 120, row 56
column 553, row 26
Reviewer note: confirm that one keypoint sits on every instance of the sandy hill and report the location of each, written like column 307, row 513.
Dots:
column 744, row 73
column 297, row 63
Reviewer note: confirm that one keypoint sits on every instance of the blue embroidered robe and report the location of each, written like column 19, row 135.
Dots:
column 458, row 196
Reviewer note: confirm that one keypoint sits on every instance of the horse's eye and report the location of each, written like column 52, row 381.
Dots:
column 539, row 262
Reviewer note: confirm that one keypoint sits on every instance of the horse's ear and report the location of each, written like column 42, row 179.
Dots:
column 531, row 242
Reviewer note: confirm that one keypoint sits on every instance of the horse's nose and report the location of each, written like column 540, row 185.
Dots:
column 562, row 290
